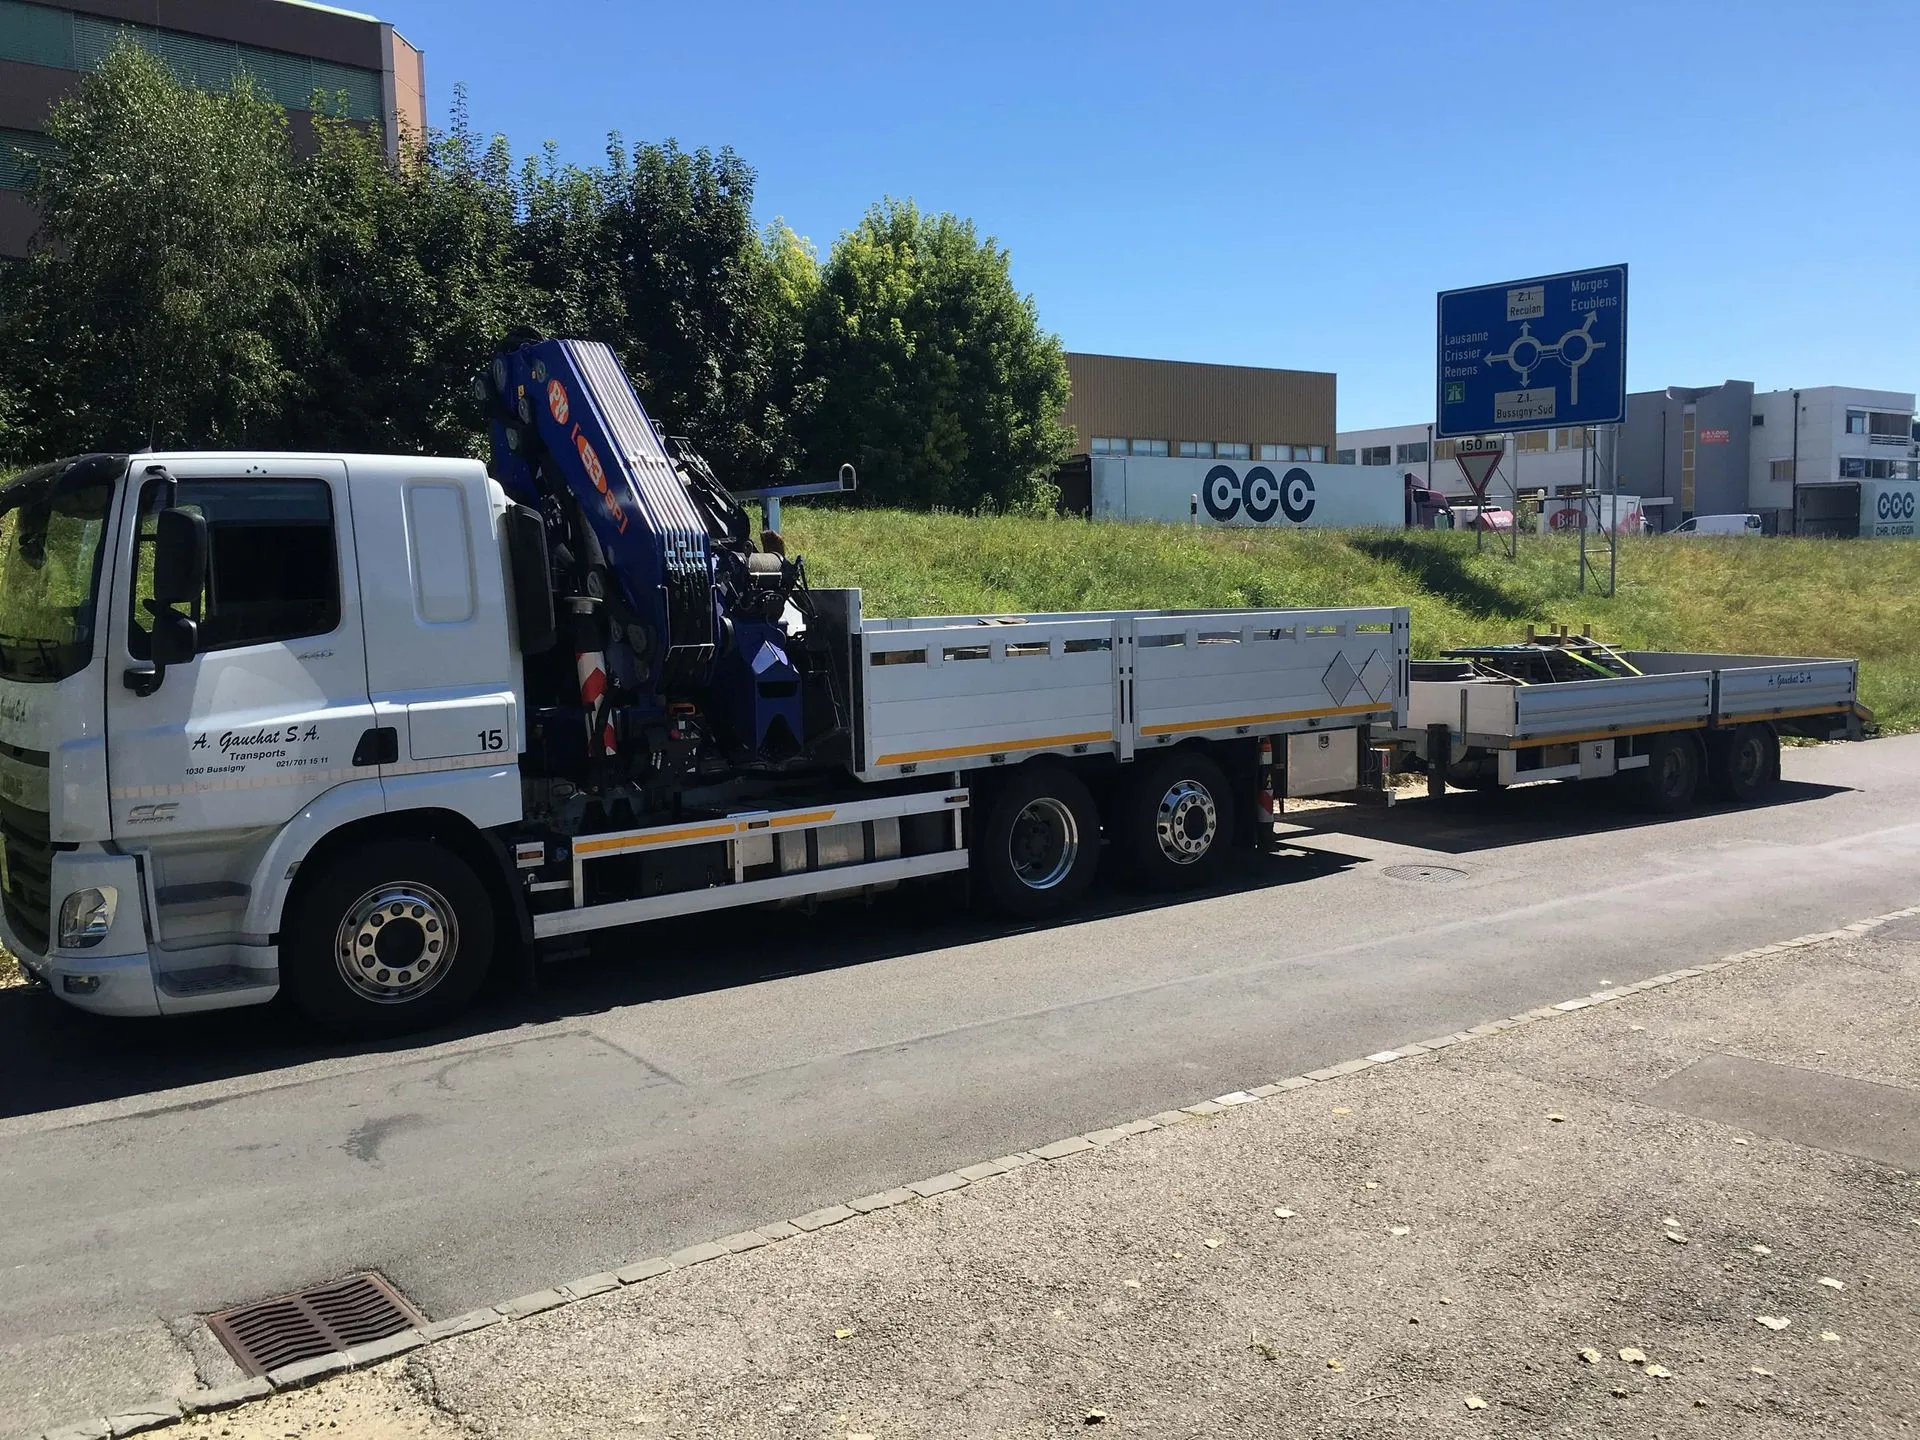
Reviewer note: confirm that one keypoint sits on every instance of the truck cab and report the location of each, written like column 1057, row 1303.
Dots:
column 351, row 657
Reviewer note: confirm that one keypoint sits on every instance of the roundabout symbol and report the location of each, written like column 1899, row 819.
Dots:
column 1572, row 349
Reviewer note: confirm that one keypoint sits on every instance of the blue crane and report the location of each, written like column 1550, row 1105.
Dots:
column 690, row 641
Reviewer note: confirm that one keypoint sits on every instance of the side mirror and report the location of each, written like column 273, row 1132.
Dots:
column 176, row 639
column 179, row 558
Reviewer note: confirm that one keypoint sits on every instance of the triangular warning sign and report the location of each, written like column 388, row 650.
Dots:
column 1478, row 466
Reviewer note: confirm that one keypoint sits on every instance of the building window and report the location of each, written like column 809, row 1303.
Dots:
column 1759, row 421
column 21, row 153
column 1781, row 470
column 1856, row 422
column 1413, row 454
column 1107, row 445
column 1856, row 467
column 1377, row 455
column 1574, row 437
column 1886, row 428
column 1530, row 442
column 1688, row 423
column 1196, row 449
column 1233, row 450
column 1315, row 453
column 65, row 40
column 1343, row 457
column 1444, row 449
column 1276, row 452
column 1150, row 447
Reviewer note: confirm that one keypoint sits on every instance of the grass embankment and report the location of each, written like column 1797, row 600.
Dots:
column 1856, row 599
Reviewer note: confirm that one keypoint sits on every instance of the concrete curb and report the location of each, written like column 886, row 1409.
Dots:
column 168, row 1412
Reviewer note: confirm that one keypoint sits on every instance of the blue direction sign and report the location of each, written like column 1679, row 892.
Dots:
column 1533, row 354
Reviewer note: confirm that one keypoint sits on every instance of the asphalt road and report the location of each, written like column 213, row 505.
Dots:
column 690, row 1081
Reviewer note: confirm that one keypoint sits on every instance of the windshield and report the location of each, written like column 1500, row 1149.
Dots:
column 53, row 519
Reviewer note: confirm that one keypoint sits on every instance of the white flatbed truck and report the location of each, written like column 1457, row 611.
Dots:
column 360, row 729
column 344, row 786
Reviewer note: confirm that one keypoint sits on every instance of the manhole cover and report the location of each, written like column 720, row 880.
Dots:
column 311, row 1322
column 1426, row 874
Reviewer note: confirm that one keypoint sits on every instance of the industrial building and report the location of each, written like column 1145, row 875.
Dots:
column 1120, row 405
column 1793, row 457
column 292, row 50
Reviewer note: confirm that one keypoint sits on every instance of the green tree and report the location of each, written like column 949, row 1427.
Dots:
column 938, row 382
column 656, row 252
column 149, row 310
column 410, row 277
column 569, row 246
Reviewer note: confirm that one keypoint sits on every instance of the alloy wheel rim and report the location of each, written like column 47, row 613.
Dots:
column 1044, row 843
column 1186, row 822
column 396, row 942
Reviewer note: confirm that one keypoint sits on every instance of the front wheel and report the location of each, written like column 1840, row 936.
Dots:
column 393, row 937
column 1175, row 821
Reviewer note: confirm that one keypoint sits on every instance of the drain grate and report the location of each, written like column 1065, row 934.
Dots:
column 1426, row 874
column 311, row 1322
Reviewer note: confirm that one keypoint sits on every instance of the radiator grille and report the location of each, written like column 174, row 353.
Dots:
column 26, row 874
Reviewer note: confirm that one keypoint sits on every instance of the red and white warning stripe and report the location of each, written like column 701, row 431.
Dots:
column 591, row 665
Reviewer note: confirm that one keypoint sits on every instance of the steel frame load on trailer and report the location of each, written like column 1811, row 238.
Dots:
column 1508, row 715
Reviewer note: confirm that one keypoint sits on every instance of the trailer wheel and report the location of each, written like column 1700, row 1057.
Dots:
column 1671, row 778
column 1176, row 821
column 1745, row 763
column 392, row 937
column 1039, row 843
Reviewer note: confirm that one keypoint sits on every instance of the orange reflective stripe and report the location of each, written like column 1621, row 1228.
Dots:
column 1232, row 720
column 996, row 747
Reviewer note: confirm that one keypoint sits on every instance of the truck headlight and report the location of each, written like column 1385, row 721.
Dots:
column 86, row 916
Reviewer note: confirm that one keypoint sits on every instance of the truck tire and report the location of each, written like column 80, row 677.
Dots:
column 1175, row 822
column 1671, row 778
column 1038, row 843
column 1744, row 763
column 392, row 937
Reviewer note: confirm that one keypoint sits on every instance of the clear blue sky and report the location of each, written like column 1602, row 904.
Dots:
column 1289, row 184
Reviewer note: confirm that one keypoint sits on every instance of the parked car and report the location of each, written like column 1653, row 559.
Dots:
column 1719, row 525
column 1491, row 517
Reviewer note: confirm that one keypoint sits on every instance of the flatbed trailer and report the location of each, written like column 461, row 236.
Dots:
column 1570, row 708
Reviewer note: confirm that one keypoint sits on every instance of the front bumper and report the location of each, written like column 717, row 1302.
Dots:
column 122, row 975
column 114, row 977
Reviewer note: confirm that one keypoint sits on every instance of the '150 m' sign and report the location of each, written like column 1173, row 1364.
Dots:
column 1263, row 496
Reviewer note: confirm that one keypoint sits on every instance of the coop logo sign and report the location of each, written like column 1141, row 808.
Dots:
column 1225, row 492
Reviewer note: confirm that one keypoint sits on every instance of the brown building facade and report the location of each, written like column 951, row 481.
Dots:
column 1124, row 406
column 291, row 49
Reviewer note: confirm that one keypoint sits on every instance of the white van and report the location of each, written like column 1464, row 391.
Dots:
column 1720, row 525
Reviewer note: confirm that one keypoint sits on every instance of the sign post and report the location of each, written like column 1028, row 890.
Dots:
column 1478, row 458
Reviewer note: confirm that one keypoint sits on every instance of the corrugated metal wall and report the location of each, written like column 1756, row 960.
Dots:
column 1176, row 400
